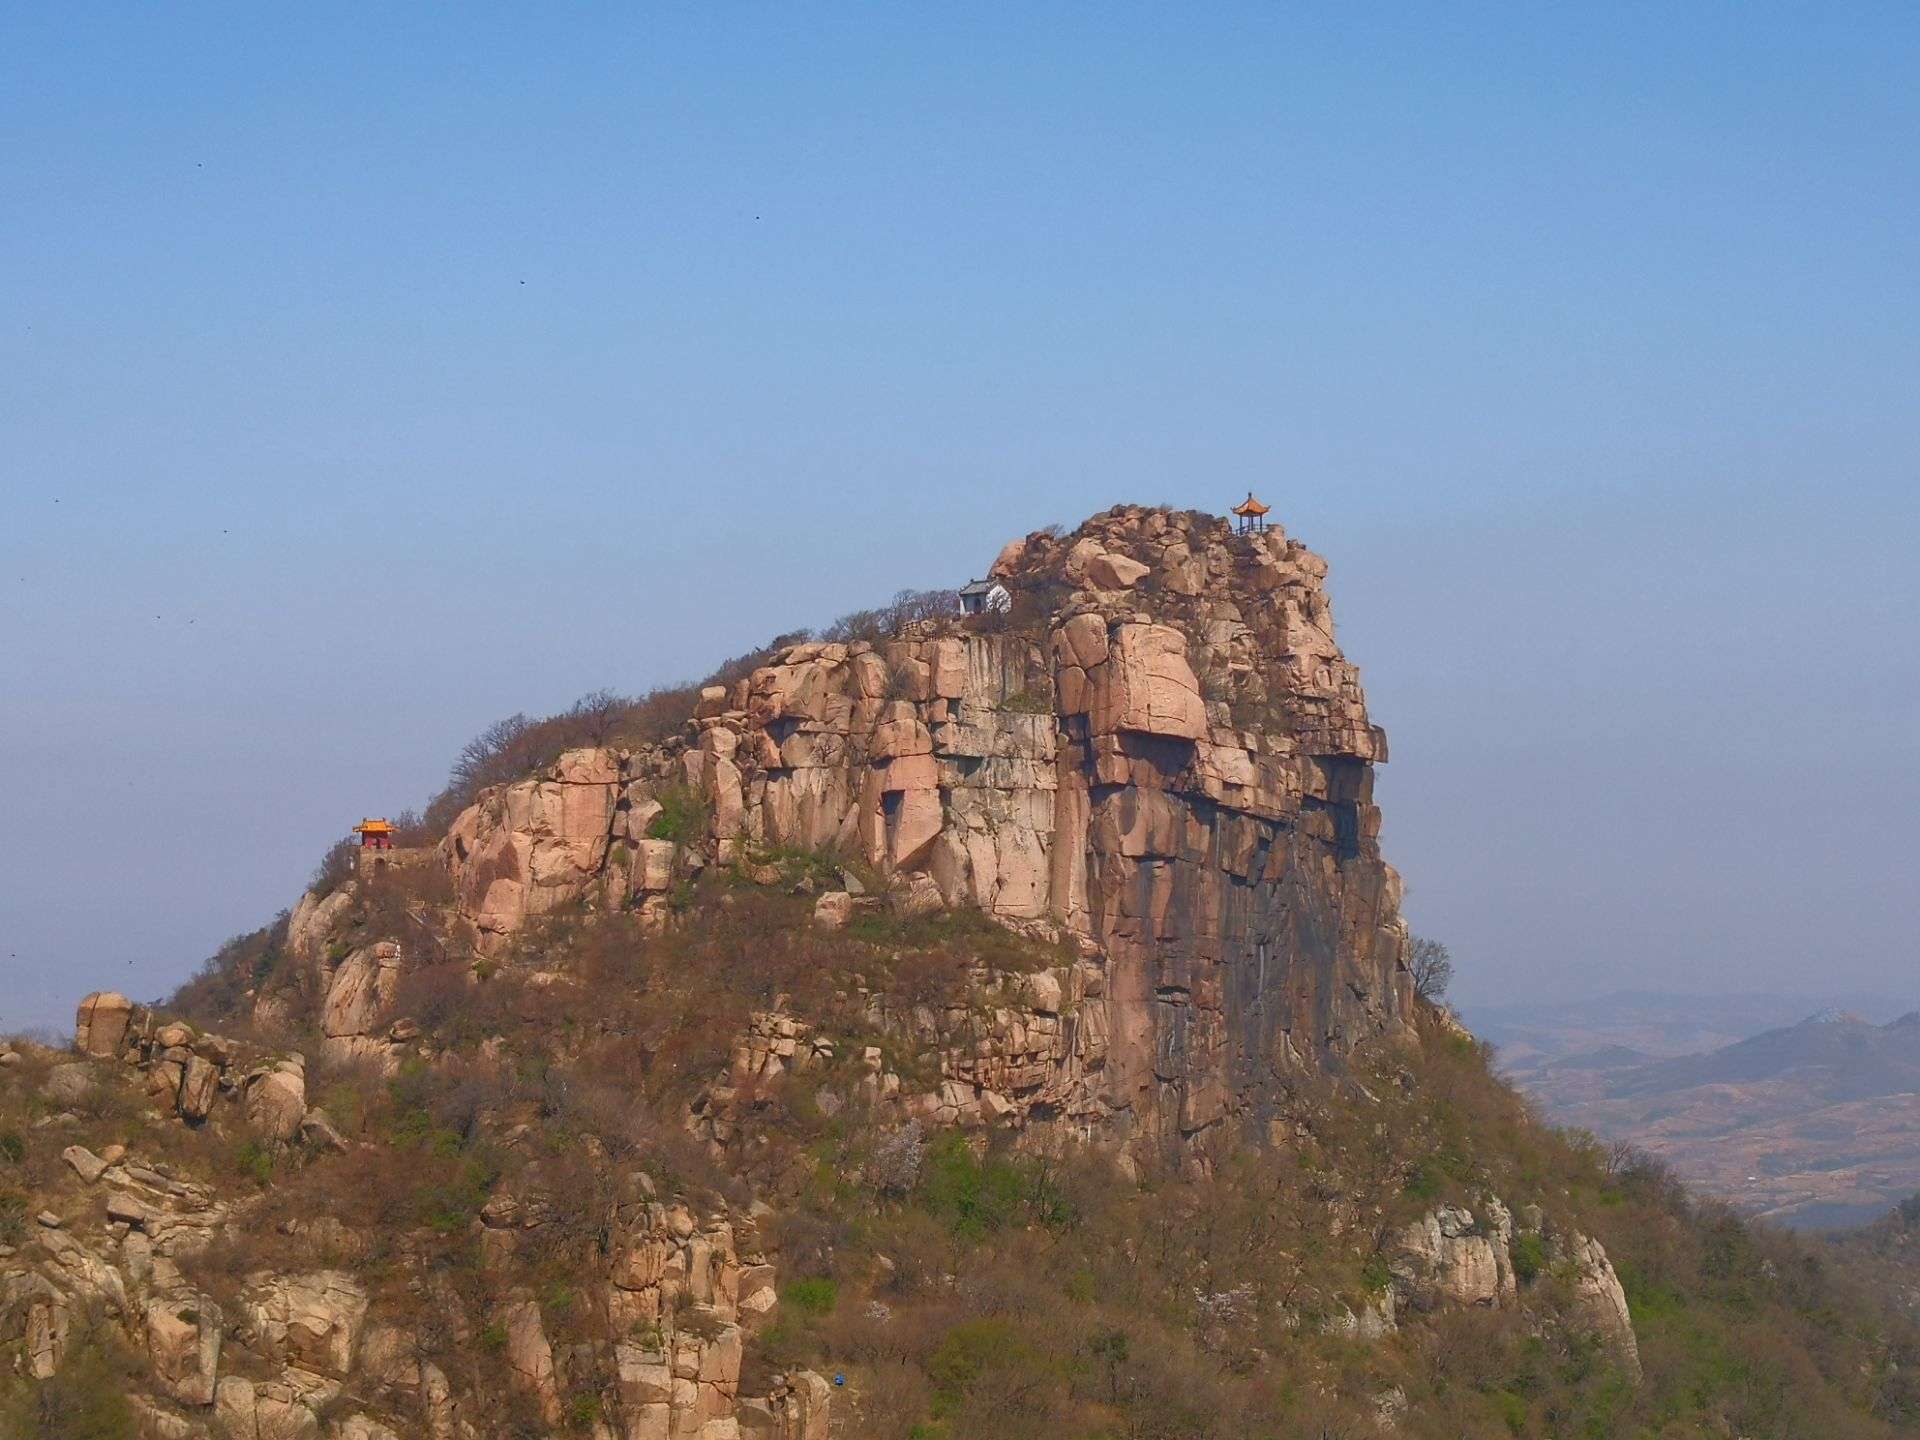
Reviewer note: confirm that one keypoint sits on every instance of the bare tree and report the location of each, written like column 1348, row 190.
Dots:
column 1432, row 967
column 597, row 713
column 480, row 761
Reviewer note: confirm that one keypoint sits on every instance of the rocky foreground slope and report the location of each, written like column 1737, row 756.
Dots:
column 993, row 1027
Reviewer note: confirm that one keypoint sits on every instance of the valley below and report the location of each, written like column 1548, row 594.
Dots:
column 1810, row 1122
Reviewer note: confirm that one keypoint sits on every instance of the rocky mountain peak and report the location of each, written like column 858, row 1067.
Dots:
column 1833, row 1015
column 1157, row 753
column 1004, row 1015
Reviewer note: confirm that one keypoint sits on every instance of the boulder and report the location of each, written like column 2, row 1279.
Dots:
column 183, row 1343
column 199, row 1084
column 69, row 1084
column 1042, row 992
column 1453, row 1257
column 1147, row 687
column 312, row 922
column 277, row 1103
column 317, row 1130
column 916, row 896
column 833, row 909
column 1107, row 571
column 312, row 1319
column 100, row 1027
column 360, row 991
column 264, row 1410
column 87, row 1165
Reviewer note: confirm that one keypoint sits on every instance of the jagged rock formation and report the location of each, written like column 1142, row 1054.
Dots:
column 1162, row 754
column 682, row 1289
column 1456, row 1256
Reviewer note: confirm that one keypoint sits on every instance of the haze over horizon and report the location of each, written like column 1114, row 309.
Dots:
column 368, row 376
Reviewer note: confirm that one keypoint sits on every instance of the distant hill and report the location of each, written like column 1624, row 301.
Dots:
column 1834, row 1055
column 1812, row 1124
column 1662, row 1024
column 1607, row 1057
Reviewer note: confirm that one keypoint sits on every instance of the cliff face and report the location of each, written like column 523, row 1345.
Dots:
column 1160, row 753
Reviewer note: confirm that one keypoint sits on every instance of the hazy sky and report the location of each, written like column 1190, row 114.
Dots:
column 370, row 372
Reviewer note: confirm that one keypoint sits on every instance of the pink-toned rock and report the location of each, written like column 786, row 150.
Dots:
column 529, row 1356
column 900, row 734
column 652, row 872
column 100, row 1027
column 910, row 772
column 949, row 665
column 1079, row 555
column 360, row 991
column 729, row 802
column 833, row 909
column 1082, row 641
column 913, row 826
column 1107, row 571
column 87, row 1165
column 313, row 1320
column 199, row 1084
column 1147, row 686
column 869, row 676
column 277, row 1103
column 183, row 1345
column 526, row 848
column 1008, row 559
column 1065, row 772
column 919, row 896
column 1602, row 1301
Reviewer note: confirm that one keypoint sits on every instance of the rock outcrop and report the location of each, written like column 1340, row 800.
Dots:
column 681, row 1289
column 1457, row 1256
column 192, row 1072
column 1161, row 754
column 1454, row 1256
column 1600, row 1298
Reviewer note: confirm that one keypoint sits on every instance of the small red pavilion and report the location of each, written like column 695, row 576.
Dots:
column 374, row 835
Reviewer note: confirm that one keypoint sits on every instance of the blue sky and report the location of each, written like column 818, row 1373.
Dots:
column 369, row 372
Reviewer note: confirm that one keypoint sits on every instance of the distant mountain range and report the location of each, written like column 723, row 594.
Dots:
column 1658, row 1023
column 1814, row 1123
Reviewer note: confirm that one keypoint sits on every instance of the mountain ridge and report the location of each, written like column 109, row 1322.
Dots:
column 1006, row 1015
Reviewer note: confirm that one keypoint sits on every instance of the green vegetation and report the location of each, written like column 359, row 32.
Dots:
column 972, row 1287
column 1029, row 702
column 1529, row 1257
column 85, row 1400
column 13, row 1217
column 255, row 1161
column 1026, row 1297
column 682, row 817
column 976, row 1196
column 815, row 1296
